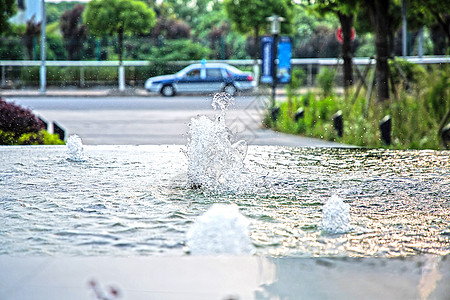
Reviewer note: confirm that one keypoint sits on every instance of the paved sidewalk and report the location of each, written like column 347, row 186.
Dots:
column 135, row 117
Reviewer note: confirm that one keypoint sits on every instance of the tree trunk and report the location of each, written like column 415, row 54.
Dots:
column 69, row 48
column 379, row 10
column 256, row 43
column 444, row 23
column 120, row 33
column 347, row 55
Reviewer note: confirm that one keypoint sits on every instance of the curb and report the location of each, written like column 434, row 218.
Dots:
column 130, row 92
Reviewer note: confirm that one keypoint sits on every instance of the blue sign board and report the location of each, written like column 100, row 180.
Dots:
column 267, row 54
column 284, row 59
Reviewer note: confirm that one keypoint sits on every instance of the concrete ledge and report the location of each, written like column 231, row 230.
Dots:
column 226, row 277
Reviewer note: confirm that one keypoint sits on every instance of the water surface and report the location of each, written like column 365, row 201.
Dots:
column 134, row 201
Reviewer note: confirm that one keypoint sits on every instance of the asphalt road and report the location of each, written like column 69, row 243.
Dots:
column 155, row 120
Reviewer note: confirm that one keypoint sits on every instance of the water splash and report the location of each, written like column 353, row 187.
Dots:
column 222, row 101
column 221, row 230
column 215, row 160
column 75, row 148
column 335, row 216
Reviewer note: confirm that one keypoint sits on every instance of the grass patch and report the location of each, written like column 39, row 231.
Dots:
column 416, row 113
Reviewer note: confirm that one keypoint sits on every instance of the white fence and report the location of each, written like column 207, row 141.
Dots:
column 308, row 62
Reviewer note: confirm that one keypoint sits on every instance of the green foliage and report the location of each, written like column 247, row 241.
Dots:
column 53, row 28
column 174, row 50
column 109, row 17
column 246, row 15
column 55, row 10
column 7, row 10
column 19, row 126
column 437, row 97
column 427, row 12
column 55, row 47
column 412, row 72
column 11, row 49
column 66, row 76
column 32, row 138
column 316, row 115
column 7, row 138
column 367, row 48
column 345, row 7
column 297, row 78
column 326, row 80
column 118, row 17
column 416, row 115
column 73, row 31
column 70, row 76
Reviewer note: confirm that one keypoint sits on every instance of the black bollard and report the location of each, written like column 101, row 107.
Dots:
column 275, row 111
column 299, row 114
column 45, row 123
column 338, row 123
column 385, row 128
column 445, row 135
column 59, row 131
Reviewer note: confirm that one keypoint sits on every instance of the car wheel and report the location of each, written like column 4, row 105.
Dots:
column 167, row 91
column 230, row 89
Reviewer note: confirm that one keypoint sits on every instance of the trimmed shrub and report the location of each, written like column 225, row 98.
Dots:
column 18, row 120
column 19, row 126
column 326, row 79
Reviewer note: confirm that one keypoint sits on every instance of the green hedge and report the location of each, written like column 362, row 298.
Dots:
column 70, row 76
column 32, row 138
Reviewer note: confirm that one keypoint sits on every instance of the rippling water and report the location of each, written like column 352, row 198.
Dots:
column 133, row 200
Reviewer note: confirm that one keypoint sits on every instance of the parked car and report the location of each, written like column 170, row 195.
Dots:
column 202, row 78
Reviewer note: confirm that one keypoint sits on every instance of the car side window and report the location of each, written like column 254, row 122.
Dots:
column 195, row 73
column 213, row 73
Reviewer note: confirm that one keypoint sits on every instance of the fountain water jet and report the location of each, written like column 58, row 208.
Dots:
column 221, row 230
column 75, row 148
column 335, row 216
column 215, row 160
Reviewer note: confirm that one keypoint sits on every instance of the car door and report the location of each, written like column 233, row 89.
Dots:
column 190, row 82
column 214, row 80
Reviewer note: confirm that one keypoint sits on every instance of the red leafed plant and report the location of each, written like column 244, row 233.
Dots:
column 18, row 120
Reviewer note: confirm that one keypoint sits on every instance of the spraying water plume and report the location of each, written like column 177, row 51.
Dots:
column 221, row 230
column 75, row 148
column 215, row 161
column 336, row 216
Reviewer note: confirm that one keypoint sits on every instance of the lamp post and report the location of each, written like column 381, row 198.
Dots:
column 404, row 28
column 275, row 31
column 43, row 79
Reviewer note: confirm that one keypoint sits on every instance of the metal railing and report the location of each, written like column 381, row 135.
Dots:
column 308, row 62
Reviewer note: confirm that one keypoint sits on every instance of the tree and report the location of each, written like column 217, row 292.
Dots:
column 250, row 16
column 380, row 18
column 73, row 30
column 7, row 10
column 171, row 29
column 32, row 31
column 430, row 12
column 118, row 17
column 344, row 10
